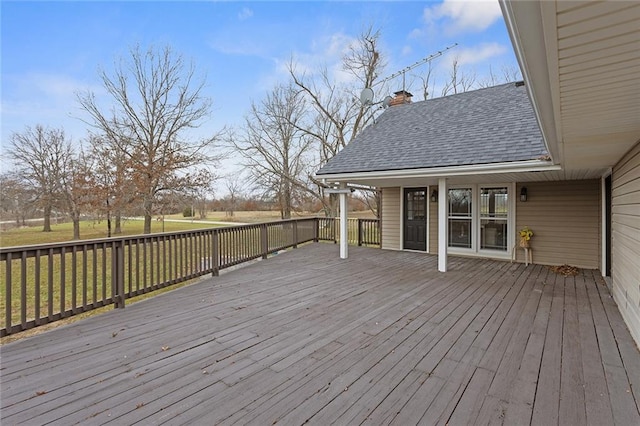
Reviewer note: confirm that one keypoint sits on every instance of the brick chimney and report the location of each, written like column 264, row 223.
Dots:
column 401, row 97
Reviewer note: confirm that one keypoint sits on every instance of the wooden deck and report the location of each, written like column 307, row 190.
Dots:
column 380, row 338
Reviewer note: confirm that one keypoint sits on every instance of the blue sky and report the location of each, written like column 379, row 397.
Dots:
column 51, row 50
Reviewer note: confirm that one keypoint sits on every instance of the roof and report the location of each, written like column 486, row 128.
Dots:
column 485, row 126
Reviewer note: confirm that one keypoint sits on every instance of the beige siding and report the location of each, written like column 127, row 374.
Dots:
column 565, row 219
column 625, row 230
column 391, row 221
column 433, row 225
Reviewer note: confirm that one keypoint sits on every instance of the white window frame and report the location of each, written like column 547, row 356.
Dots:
column 472, row 233
column 475, row 249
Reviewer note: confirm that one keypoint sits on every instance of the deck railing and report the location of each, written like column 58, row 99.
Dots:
column 49, row 282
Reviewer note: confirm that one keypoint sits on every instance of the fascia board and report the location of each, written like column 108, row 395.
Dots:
column 518, row 167
column 526, row 30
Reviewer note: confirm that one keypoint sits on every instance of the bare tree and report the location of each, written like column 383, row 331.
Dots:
column 373, row 200
column 459, row 80
column 273, row 146
column 203, row 188
column 114, row 185
column 40, row 155
column 235, row 185
column 156, row 101
column 337, row 116
column 16, row 197
column 77, row 188
column 426, row 82
column 508, row 74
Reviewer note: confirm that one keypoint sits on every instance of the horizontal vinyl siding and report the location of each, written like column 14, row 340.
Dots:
column 625, row 230
column 391, row 222
column 433, row 226
column 565, row 219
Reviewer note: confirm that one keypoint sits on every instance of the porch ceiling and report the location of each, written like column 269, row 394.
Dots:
column 581, row 61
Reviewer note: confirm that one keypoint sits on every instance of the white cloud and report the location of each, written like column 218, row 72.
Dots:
column 459, row 16
column 416, row 33
column 49, row 97
column 325, row 52
column 240, row 48
column 475, row 55
column 60, row 86
column 245, row 13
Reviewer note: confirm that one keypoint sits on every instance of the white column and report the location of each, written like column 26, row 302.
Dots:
column 443, row 224
column 344, row 236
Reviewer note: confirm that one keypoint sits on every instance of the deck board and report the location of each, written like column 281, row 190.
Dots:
column 304, row 337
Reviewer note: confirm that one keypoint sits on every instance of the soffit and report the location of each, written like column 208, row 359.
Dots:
column 592, row 79
column 489, row 178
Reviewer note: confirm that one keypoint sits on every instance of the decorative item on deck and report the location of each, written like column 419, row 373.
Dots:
column 525, row 236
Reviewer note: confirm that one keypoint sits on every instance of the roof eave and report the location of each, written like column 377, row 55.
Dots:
column 525, row 27
column 450, row 171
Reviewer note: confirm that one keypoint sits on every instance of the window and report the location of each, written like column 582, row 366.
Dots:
column 494, row 211
column 460, row 217
column 416, row 206
column 479, row 218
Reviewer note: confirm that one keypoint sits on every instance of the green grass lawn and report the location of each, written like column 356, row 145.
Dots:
column 88, row 230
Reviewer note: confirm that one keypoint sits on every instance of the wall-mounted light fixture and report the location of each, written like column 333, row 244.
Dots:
column 434, row 196
column 523, row 194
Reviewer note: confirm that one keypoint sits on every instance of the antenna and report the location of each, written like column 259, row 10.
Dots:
column 418, row 63
column 366, row 96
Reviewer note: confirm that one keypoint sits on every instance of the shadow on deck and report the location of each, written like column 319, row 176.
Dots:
column 381, row 338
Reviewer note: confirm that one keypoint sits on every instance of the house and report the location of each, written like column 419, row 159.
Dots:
column 559, row 154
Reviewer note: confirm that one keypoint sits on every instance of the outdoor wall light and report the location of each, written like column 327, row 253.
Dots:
column 523, row 194
column 434, row 196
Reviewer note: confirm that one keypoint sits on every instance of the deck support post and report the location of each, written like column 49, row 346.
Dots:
column 443, row 228
column 119, row 296
column 264, row 240
column 344, row 234
column 215, row 253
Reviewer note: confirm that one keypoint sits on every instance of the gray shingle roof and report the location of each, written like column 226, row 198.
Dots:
column 491, row 125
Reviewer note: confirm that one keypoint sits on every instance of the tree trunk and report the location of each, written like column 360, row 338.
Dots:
column 331, row 207
column 47, row 219
column 286, row 202
column 148, row 205
column 118, row 225
column 76, row 226
column 147, row 224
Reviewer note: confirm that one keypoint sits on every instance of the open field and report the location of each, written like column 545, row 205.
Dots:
column 91, row 229
column 264, row 216
column 88, row 230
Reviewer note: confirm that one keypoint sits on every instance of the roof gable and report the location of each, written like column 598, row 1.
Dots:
column 492, row 125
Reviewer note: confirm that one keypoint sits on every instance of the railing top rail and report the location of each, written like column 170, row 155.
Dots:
column 82, row 243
